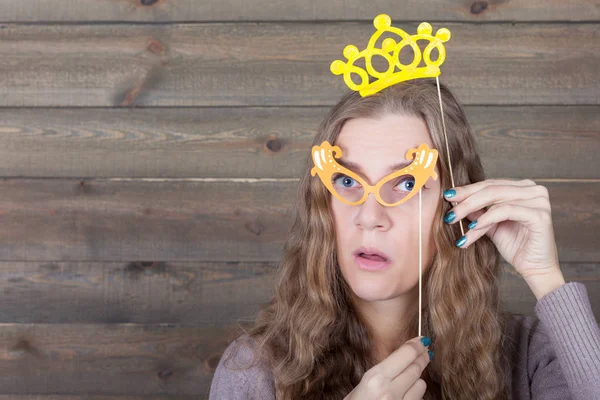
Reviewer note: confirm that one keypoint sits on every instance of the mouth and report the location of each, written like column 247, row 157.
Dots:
column 371, row 262
column 371, row 253
column 371, row 259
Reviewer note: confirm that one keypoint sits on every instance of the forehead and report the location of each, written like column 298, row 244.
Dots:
column 383, row 140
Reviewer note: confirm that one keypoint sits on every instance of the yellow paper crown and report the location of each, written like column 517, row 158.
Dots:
column 383, row 24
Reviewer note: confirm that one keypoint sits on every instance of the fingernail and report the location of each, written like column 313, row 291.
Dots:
column 472, row 224
column 461, row 241
column 449, row 217
column 449, row 193
column 430, row 355
column 426, row 341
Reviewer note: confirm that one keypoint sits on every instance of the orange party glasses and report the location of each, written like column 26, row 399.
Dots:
column 394, row 189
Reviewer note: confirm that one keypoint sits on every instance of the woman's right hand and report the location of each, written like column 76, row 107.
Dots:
column 398, row 377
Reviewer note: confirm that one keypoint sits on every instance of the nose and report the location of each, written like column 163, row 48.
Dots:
column 372, row 215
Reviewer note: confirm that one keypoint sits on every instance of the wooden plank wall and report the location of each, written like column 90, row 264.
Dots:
column 150, row 151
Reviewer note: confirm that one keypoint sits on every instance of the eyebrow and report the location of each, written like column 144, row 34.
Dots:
column 356, row 168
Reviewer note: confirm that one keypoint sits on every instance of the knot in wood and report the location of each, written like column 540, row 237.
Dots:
column 478, row 7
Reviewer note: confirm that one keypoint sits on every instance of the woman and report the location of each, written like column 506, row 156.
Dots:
column 331, row 325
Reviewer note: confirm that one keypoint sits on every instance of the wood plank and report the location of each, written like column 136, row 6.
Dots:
column 268, row 142
column 216, row 64
column 203, row 294
column 267, row 10
column 158, row 219
column 110, row 359
column 517, row 297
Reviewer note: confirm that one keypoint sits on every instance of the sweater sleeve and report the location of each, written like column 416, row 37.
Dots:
column 565, row 357
column 233, row 380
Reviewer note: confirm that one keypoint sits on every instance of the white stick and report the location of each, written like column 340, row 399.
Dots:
column 437, row 79
column 420, row 266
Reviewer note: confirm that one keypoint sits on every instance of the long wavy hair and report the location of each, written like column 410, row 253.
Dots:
column 310, row 334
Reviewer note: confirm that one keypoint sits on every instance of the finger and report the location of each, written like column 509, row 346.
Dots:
column 497, row 194
column 401, row 358
column 523, row 211
column 537, row 202
column 463, row 192
column 474, row 216
column 528, row 212
column 400, row 385
column 416, row 391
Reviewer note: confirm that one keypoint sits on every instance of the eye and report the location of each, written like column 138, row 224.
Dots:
column 345, row 180
column 410, row 183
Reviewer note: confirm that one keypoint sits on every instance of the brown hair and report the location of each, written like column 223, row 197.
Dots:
column 310, row 334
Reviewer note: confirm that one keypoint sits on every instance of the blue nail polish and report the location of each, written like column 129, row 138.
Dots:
column 472, row 224
column 426, row 340
column 449, row 193
column 461, row 241
column 449, row 217
column 430, row 354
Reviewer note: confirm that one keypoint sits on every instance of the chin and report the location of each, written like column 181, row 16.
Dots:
column 380, row 285
column 366, row 294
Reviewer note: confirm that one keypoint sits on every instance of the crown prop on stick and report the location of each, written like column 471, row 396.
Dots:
column 425, row 158
column 389, row 77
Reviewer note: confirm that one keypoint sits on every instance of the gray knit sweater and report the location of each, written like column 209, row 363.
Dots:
column 557, row 355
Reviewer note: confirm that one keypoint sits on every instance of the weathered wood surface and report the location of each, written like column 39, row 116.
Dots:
column 312, row 10
column 89, row 349
column 248, row 220
column 279, row 63
column 203, row 294
column 537, row 142
column 208, row 295
column 134, row 240
column 109, row 359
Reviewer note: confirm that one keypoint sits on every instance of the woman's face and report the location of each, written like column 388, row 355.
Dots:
column 375, row 145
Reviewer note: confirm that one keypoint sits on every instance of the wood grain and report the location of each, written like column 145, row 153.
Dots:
column 207, row 295
column 85, row 350
column 150, row 152
column 313, row 10
column 275, row 64
column 537, row 142
column 202, row 294
column 248, row 220
column 113, row 359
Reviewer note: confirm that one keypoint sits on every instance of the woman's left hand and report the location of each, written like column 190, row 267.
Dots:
column 518, row 221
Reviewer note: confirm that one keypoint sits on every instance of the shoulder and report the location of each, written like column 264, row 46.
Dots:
column 550, row 353
column 536, row 342
column 524, row 332
column 528, row 351
column 239, row 376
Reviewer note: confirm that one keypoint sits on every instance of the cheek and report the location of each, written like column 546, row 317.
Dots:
column 342, row 219
column 341, row 212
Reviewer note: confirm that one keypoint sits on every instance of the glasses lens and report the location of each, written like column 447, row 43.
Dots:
column 391, row 192
column 397, row 188
column 347, row 188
